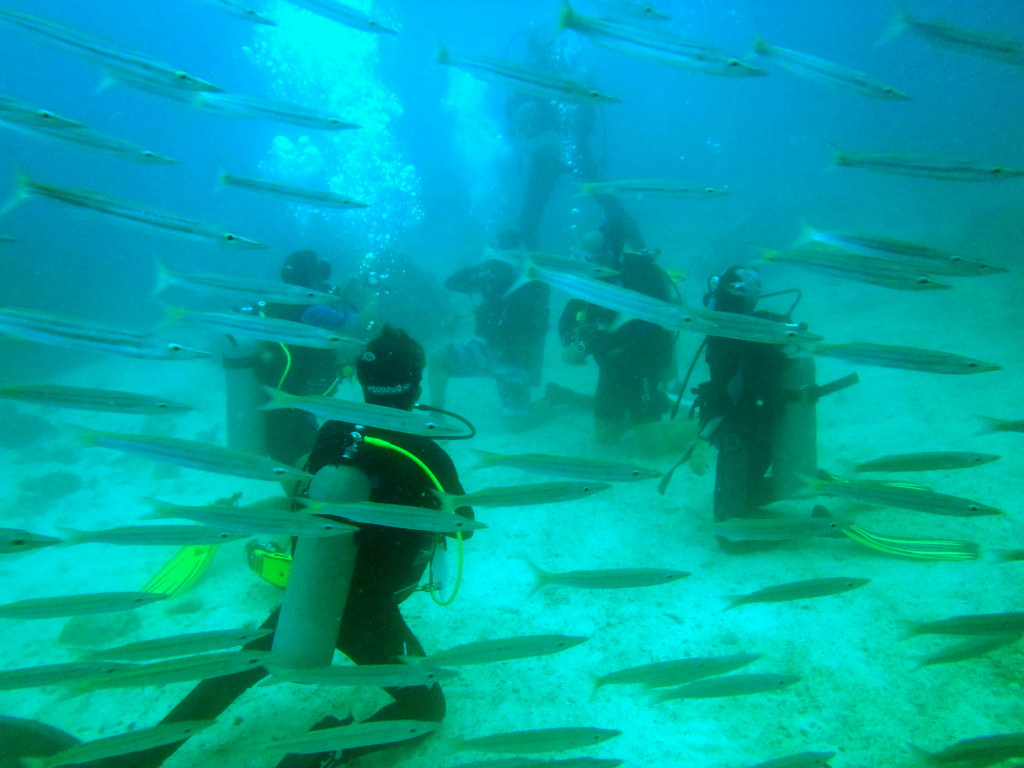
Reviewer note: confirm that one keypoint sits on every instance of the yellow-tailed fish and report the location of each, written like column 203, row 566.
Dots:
column 364, row 414
column 344, row 14
column 253, row 519
column 729, row 685
column 54, row 674
column 272, row 329
column 665, row 674
column 568, row 466
column 980, row 751
column 379, row 675
column 776, row 528
column 152, row 536
column 1011, row 622
column 16, row 540
column 843, row 263
column 136, row 214
column 206, row 457
column 610, row 578
column 15, row 111
column 799, row 760
column 522, row 495
column 87, row 399
column 655, row 46
column 905, row 254
column 971, row 648
column 989, row 45
column 822, row 71
column 499, row 649
column 291, row 192
column 394, row 516
column 177, row 670
column 925, row 167
column 345, row 737
column 541, row 740
column 643, row 188
column 180, row 645
column 76, row 605
column 927, row 461
column 121, row 744
column 241, row 11
column 916, row 548
column 121, row 63
column 906, row 358
column 525, row 79
column 75, row 334
column 799, row 590
column 254, row 108
column 554, row 261
column 1000, row 425
column 902, row 495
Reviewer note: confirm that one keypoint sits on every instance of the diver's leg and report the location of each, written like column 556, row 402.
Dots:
column 545, row 169
column 738, row 489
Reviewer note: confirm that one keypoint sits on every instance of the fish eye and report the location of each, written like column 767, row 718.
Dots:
column 709, row 190
column 734, row 62
column 997, row 171
column 44, row 114
column 174, row 348
column 229, row 237
column 182, row 75
column 278, row 471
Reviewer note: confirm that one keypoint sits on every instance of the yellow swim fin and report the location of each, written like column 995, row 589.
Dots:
column 920, row 549
column 183, row 570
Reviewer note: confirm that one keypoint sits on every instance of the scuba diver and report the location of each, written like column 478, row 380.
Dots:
column 757, row 409
column 287, row 435
column 634, row 358
column 385, row 567
column 511, row 324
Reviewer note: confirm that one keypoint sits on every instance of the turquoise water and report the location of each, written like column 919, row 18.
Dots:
column 442, row 175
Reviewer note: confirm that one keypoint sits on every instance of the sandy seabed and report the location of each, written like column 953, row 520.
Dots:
column 860, row 694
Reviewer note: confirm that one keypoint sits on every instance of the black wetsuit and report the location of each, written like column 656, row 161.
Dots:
column 289, row 433
column 513, row 325
column 745, row 391
column 388, row 562
column 633, row 358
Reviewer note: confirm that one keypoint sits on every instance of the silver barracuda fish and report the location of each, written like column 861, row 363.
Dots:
column 254, row 108
column 643, row 188
column 88, row 399
column 296, row 194
column 74, row 334
column 345, row 15
column 180, row 645
column 241, row 11
column 272, row 329
column 498, row 649
column 121, row 744
column 925, row 167
column 840, row 262
column 20, row 113
column 525, row 79
column 77, row 605
column 92, row 140
column 989, row 45
column 271, row 291
column 799, row 590
column 907, row 358
column 541, row 740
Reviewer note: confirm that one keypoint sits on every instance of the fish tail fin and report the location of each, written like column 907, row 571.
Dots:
column 760, row 46
column 33, row 762
column 164, row 279
column 160, row 509
column 278, row 399
column 839, row 157
column 598, row 684
column 540, row 576
column 486, row 458
column 807, row 233
column 989, row 425
column 897, row 26
column 734, row 601
column 443, row 54
column 567, row 17
column 22, row 191
column 84, row 434
column 446, row 500
column 412, row 660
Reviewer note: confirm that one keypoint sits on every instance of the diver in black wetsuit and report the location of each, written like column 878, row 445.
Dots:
column 388, row 564
column 288, row 434
column 510, row 330
column 633, row 358
column 741, row 404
